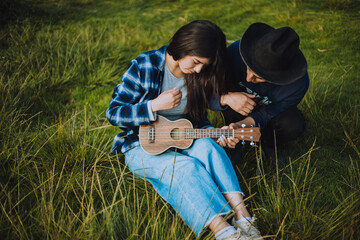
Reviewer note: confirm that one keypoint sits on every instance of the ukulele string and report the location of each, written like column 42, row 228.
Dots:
column 165, row 133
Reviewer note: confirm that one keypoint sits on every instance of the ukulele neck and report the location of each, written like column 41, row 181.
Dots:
column 191, row 133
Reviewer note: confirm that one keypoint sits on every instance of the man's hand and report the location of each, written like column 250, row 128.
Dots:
column 240, row 102
column 248, row 121
column 166, row 100
column 227, row 142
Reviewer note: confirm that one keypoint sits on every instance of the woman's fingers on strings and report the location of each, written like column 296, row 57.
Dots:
column 220, row 141
column 232, row 142
column 227, row 142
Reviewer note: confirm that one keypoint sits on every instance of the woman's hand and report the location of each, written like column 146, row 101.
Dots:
column 166, row 100
column 227, row 142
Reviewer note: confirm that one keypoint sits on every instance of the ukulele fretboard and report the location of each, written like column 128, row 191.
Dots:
column 210, row 133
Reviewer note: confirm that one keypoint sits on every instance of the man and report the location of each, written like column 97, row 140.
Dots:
column 268, row 73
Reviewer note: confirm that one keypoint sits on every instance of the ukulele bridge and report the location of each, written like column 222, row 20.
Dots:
column 151, row 134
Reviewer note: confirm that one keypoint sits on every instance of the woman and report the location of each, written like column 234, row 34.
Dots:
column 177, row 81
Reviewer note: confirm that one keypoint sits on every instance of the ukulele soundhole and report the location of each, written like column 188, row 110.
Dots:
column 175, row 134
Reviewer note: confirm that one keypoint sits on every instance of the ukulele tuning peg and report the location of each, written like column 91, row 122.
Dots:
column 243, row 125
column 242, row 142
column 252, row 143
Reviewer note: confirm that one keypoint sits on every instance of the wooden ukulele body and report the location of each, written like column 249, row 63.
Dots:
column 156, row 140
column 157, row 137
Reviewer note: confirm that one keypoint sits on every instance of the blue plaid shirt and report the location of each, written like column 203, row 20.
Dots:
column 128, row 108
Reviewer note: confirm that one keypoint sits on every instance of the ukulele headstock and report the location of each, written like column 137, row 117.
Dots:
column 251, row 134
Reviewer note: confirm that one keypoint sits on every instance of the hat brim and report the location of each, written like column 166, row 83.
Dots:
column 297, row 67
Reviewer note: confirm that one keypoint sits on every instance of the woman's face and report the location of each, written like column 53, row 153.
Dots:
column 192, row 64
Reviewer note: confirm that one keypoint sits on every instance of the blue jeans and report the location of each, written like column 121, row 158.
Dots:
column 192, row 181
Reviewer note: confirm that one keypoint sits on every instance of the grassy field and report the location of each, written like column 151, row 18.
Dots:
column 59, row 63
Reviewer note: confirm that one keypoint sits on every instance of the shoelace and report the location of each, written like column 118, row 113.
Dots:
column 251, row 229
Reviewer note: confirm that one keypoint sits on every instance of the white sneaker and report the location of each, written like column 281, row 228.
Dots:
column 239, row 234
column 248, row 228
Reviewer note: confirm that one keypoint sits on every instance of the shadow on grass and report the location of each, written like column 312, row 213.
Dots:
column 349, row 6
column 12, row 11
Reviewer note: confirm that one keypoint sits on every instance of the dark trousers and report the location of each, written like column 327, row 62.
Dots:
column 286, row 126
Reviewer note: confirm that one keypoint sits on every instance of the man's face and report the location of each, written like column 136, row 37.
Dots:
column 252, row 77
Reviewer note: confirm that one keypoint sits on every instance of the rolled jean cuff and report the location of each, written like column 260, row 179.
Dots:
column 243, row 194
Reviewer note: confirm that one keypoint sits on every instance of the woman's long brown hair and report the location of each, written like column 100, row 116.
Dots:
column 201, row 38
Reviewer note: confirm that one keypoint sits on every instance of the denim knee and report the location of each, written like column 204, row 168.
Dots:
column 204, row 143
column 208, row 145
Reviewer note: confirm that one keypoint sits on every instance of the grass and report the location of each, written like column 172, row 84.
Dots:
column 59, row 62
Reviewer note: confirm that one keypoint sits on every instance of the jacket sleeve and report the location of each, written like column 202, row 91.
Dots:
column 214, row 104
column 263, row 115
column 126, row 107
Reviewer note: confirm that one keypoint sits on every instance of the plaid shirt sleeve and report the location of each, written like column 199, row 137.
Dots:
column 128, row 108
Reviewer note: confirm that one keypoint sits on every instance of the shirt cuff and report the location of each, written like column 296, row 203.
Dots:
column 152, row 115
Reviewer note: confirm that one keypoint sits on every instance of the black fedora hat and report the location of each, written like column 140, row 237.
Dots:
column 273, row 54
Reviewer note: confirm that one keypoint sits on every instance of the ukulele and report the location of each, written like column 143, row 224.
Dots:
column 157, row 137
